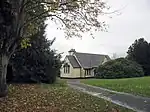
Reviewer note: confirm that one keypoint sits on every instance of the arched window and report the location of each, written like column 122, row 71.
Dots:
column 66, row 68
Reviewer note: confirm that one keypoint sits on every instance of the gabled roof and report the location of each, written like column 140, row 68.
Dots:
column 86, row 60
column 73, row 61
column 90, row 60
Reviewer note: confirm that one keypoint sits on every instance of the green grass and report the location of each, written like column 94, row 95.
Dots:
column 136, row 86
column 53, row 98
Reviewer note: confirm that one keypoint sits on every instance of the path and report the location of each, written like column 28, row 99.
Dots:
column 136, row 103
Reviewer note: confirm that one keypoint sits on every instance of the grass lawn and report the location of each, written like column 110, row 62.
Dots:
column 53, row 98
column 136, row 86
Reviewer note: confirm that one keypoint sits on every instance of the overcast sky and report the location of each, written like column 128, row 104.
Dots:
column 133, row 23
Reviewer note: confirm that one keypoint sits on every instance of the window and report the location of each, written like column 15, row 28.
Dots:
column 87, row 71
column 66, row 68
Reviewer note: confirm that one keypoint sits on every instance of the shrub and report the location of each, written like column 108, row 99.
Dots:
column 119, row 68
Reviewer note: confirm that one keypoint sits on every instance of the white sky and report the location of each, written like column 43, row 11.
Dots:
column 133, row 23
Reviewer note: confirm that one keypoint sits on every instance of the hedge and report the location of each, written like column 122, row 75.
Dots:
column 119, row 68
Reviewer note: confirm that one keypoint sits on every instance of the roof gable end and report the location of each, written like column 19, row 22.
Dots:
column 73, row 61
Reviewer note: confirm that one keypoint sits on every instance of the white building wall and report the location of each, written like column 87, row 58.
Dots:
column 74, row 72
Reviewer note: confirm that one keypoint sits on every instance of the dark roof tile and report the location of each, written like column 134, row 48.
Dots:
column 90, row 60
column 73, row 62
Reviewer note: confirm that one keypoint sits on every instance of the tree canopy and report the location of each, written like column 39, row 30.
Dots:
column 139, row 51
column 25, row 16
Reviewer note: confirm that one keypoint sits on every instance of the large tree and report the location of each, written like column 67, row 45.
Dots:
column 139, row 51
column 20, row 19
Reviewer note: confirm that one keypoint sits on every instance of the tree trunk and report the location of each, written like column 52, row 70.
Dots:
column 3, row 71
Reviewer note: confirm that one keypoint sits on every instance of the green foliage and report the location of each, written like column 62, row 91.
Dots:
column 139, row 51
column 37, row 63
column 119, row 68
column 25, row 43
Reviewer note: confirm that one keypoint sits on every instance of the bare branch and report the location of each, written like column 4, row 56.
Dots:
column 34, row 18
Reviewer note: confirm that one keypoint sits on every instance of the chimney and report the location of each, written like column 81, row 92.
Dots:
column 72, row 51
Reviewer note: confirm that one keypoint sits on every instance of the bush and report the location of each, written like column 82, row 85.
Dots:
column 119, row 68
